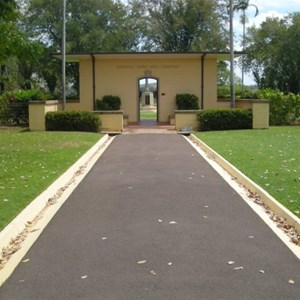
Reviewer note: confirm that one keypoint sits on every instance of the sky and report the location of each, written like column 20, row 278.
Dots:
column 267, row 8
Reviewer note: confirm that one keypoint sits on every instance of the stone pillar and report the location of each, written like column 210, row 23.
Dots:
column 37, row 112
column 260, row 109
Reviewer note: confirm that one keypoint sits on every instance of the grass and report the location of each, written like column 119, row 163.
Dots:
column 271, row 158
column 31, row 161
column 148, row 115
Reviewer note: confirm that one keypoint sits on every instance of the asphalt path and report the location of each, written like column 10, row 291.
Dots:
column 153, row 220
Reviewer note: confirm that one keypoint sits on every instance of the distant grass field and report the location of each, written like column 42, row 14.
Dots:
column 271, row 158
column 31, row 161
column 148, row 115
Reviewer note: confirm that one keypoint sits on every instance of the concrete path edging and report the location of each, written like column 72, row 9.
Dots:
column 24, row 230
column 264, row 196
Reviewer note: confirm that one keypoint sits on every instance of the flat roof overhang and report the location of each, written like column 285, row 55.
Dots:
column 76, row 57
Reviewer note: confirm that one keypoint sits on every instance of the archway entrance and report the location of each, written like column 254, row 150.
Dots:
column 148, row 101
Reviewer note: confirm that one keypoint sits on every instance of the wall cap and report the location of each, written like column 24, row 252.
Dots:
column 245, row 100
column 47, row 102
column 190, row 111
column 109, row 112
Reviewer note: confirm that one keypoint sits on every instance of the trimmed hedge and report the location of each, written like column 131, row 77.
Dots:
column 187, row 102
column 72, row 121
column 225, row 119
column 108, row 102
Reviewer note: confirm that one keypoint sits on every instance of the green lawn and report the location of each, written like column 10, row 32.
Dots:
column 31, row 161
column 271, row 158
column 148, row 115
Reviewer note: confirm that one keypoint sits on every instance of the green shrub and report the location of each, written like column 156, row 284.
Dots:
column 14, row 105
column 225, row 119
column 240, row 93
column 108, row 102
column 13, row 112
column 284, row 109
column 24, row 96
column 187, row 102
column 72, row 121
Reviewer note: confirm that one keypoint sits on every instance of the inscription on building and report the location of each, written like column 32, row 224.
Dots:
column 148, row 67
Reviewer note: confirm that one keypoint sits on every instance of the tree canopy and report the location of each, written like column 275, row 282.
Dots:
column 31, row 30
column 273, row 53
column 181, row 25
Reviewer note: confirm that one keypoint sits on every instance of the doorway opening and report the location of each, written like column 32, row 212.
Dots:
column 148, row 101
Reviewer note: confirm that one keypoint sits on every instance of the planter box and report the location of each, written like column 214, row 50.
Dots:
column 186, row 118
column 111, row 120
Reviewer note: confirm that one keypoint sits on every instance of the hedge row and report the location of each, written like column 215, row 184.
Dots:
column 240, row 93
column 72, row 121
column 284, row 108
column 225, row 119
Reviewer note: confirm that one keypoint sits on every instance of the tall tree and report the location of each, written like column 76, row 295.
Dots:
column 244, row 20
column 273, row 53
column 91, row 26
column 181, row 25
column 8, row 10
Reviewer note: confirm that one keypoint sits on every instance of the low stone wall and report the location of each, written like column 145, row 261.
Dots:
column 186, row 118
column 111, row 120
column 260, row 110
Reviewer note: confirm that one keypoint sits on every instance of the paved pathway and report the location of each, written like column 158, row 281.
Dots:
column 152, row 220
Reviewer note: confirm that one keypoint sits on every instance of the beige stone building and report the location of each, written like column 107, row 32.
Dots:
column 147, row 80
column 119, row 74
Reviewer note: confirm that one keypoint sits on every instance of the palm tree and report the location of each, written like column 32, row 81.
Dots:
column 244, row 5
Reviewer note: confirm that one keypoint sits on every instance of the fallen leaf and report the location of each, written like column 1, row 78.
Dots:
column 153, row 273
column 231, row 262
column 141, row 262
column 172, row 222
column 291, row 281
column 25, row 260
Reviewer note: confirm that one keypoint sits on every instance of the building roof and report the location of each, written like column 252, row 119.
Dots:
column 75, row 57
